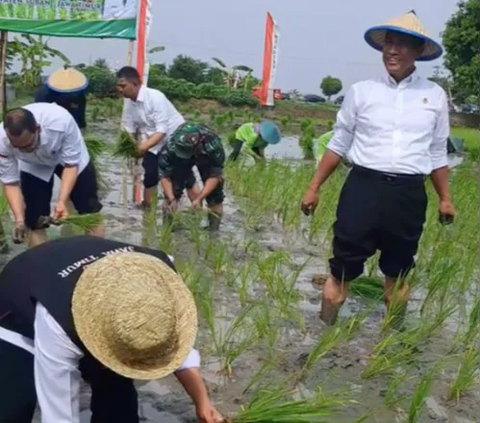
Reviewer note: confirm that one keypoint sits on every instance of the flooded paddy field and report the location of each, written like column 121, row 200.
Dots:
column 258, row 288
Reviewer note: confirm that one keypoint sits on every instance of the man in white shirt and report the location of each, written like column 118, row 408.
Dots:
column 149, row 113
column 394, row 130
column 36, row 142
column 101, row 310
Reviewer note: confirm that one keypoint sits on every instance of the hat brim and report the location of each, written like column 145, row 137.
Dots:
column 270, row 138
column 375, row 37
column 87, row 312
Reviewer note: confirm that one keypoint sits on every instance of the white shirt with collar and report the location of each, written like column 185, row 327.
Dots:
column 57, row 377
column 394, row 127
column 60, row 143
column 151, row 113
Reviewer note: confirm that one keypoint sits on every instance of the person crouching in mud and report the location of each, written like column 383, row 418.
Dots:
column 192, row 145
column 256, row 137
column 101, row 310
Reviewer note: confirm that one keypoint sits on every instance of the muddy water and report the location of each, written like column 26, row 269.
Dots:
column 165, row 401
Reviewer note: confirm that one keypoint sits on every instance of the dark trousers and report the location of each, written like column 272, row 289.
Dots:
column 378, row 211
column 114, row 398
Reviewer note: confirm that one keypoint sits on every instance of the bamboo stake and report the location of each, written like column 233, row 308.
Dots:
column 4, row 247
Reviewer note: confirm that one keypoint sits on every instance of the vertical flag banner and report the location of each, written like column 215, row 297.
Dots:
column 143, row 33
column 71, row 18
column 270, row 59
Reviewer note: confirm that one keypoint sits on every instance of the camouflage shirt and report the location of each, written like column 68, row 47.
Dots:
column 206, row 145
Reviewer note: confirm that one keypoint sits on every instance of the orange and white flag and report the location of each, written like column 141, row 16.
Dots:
column 144, row 23
column 270, row 60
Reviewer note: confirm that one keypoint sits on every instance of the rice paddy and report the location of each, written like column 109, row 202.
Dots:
column 266, row 355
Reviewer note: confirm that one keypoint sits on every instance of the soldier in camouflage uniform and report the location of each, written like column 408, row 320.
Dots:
column 193, row 144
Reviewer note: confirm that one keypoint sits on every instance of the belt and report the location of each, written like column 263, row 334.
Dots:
column 386, row 176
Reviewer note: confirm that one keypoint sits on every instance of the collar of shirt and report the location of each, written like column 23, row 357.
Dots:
column 404, row 83
column 141, row 95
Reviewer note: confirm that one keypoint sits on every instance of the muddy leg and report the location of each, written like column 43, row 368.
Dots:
column 37, row 237
column 396, row 301
column 215, row 217
column 333, row 297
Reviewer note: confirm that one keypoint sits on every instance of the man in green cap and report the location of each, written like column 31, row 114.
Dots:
column 193, row 144
column 256, row 137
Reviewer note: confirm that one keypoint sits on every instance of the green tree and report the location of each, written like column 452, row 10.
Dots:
column 461, row 39
column 330, row 86
column 189, row 69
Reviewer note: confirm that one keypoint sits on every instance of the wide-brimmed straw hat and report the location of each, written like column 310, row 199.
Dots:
column 406, row 24
column 67, row 80
column 135, row 315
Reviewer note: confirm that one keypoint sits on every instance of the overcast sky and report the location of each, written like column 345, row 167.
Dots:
column 318, row 38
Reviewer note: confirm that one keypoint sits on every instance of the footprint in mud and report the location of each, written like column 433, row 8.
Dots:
column 319, row 280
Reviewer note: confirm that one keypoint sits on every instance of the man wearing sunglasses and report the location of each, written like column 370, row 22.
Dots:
column 36, row 142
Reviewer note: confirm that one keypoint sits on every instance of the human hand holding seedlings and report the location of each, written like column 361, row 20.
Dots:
column 197, row 203
column 192, row 382
column 447, row 212
column 309, row 202
column 61, row 211
column 19, row 233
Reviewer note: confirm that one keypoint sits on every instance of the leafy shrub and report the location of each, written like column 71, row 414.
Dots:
column 101, row 81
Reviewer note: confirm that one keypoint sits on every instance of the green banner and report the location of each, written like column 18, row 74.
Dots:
column 70, row 18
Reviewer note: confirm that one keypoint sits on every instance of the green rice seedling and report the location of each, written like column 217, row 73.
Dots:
column 195, row 230
column 213, row 114
column 196, row 116
column 305, row 123
column 231, row 138
column 393, row 396
column 125, row 147
column 95, row 146
column 420, row 394
column 473, row 323
column 85, row 222
column 217, row 255
column 230, row 117
column 111, row 107
column 285, row 121
column 95, row 113
column 368, row 287
column 246, row 276
column 276, row 405
column 466, row 378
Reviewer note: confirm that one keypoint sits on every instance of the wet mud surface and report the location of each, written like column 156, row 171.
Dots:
column 165, row 401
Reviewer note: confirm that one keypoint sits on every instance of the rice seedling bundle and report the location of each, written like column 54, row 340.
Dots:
column 85, row 222
column 95, row 146
column 125, row 147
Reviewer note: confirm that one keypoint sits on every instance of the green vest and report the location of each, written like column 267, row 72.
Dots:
column 247, row 134
column 320, row 145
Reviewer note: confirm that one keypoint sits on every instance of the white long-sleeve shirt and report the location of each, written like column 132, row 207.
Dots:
column 151, row 113
column 60, row 143
column 394, row 127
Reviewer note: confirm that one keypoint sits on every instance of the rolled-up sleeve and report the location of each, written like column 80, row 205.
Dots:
column 344, row 128
column 9, row 172
column 127, row 118
column 192, row 360
column 160, row 113
column 438, row 147
column 71, row 152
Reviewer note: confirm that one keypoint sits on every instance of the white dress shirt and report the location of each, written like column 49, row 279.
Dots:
column 151, row 113
column 60, row 142
column 394, row 127
column 57, row 377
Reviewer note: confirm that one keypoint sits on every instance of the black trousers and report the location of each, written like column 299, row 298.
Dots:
column 378, row 211
column 114, row 398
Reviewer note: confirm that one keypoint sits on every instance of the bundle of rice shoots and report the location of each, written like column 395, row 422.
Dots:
column 95, row 146
column 125, row 147
column 276, row 406
column 368, row 287
column 81, row 221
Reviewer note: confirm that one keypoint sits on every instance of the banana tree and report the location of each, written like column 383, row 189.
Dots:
column 33, row 54
column 231, row 75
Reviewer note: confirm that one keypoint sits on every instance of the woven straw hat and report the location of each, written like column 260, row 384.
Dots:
column 135, row 315
column 67, row 80
column 406, row 24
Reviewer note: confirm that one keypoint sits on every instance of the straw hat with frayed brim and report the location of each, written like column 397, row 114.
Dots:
column 408, row 24
column 67, row 80
column 134, row 314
